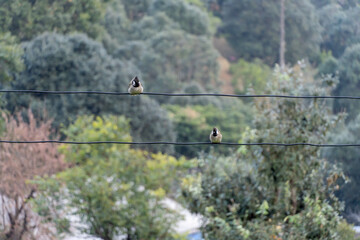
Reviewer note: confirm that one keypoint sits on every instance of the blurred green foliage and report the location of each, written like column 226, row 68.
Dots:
column 190, row 19
column 340, row 28
column 166, row 43
column 173, row 59
column 320, row 3
column 10, row 57
column 250, row 76
column 253, row 27
column 26, row 19
column 268, row 192
column 349, row 69
column 343, row 3
column 194, row 124
column 115, row 190
column 214, row 20
column 135, row 9
column 10, row 64
column 169, row 42
column 348, row 160
column 261, row 193
column 328, row 65
column 77, row 63
column 194, row 100
column 346, row 231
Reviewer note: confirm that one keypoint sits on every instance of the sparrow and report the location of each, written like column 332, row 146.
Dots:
column 135, row 86
column 215, row 136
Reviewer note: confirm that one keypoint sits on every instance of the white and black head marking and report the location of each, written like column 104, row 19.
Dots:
column 215, row 132
column 135, row 82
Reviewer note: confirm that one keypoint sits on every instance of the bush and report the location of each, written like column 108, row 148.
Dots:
column 250, row 75
column 346, row 231
column 273, row 192
column 194, row 124
column 115, row 190
column 349, row 67
column 19, row 164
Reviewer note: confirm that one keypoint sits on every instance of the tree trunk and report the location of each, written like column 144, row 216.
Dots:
column 282, row 35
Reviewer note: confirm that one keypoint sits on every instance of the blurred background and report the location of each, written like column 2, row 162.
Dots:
column 52, row 191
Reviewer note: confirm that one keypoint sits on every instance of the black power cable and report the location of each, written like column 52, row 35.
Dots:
column 183, row 143
column 181, row 94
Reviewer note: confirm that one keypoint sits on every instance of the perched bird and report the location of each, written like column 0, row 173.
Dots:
column 215, row 136
column 135, row 86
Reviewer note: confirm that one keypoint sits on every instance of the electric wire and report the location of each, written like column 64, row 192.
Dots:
column 179, row 95
column 183, row 94
column 181, row 143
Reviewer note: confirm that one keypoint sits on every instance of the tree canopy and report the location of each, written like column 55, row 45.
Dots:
column 349, row 67
column 115, row 190
column 348, row 160
column 58, row 62
column 340, row 28
column 169, row 41
column 272, row 192
column 253, row 30
column 27, row 19
column 10, row 57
